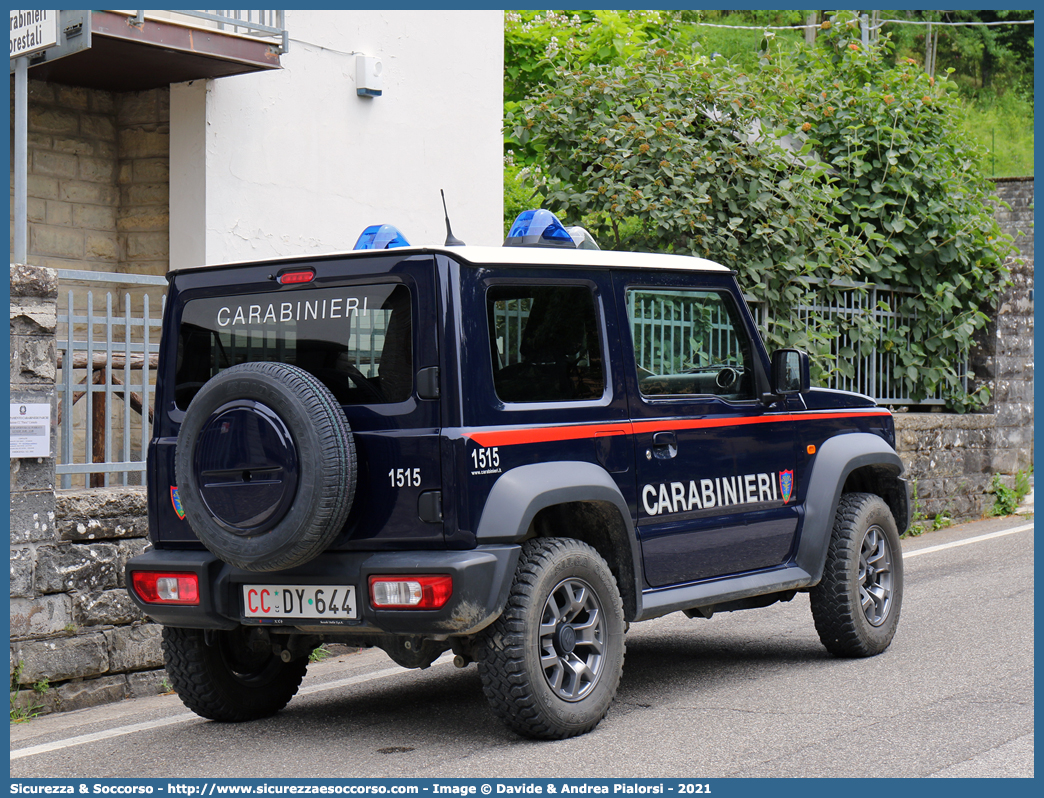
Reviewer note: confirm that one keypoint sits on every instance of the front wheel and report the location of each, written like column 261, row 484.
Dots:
column 228, row 679
column 551, row 663
column 856, row 605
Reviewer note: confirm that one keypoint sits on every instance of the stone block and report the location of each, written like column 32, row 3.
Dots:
column 54, row 164
column 39, row 91
column 152, row 170
column 143, row 684
column 1004, row 461
column 74, row 145
column 103, row 529
column 101, row 246
column 98, row 126
column 147, row 246
column 30, row 704
column 85, row 567
column 61, row 658
column 144, row 219
column 146, row 194
column 97, row 170
column 103, row 102
column 32, row 474
column 32, row 316
column 53, row 120
column 72, row 97
column 33, row 360
column 90, row 193
column 22, row 560
column 60, row 213
column 105, row 149
column 137, row 108
column 135, row 648
column 128, row 549
column 42, row 187
column 57, row 241
column 101, row 503
column 84, row 693
column 108, row 607
column 42, row 615
column 125, row 174
column 36, row 210
column 32, row 517
column 94, row 217
column 143, row 144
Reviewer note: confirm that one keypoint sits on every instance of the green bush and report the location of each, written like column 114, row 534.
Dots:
column 822, row 168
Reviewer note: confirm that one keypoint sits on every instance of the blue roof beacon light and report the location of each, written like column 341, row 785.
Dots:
column 538, row 228
column 381, row 236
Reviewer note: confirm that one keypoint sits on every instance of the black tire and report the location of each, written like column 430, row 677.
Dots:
column 856, row 605
column 522, row 668
column 305, row 490
column 229, row 681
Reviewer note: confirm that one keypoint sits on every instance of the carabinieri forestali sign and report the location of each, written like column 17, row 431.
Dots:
column 33, row 30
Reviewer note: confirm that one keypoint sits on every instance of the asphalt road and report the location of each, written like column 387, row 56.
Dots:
column 746, row 694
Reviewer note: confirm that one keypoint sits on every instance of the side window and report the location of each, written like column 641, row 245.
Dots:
column 689, row 343
column 545, row 343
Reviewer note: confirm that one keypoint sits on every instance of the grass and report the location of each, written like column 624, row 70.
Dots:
column 1002, row 128
column 1007, row 500
column 319, row 654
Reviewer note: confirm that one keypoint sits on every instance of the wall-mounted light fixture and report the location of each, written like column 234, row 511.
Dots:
column 368, row 81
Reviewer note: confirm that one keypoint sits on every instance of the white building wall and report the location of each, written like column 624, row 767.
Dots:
column 296, row 163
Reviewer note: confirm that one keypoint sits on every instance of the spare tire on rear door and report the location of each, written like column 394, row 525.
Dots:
column 265, row 466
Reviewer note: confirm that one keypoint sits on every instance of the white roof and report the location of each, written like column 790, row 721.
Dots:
column 528, row 256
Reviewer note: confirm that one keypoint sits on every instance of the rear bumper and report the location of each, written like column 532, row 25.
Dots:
column 481, row 581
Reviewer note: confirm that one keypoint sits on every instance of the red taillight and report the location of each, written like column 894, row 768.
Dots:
column 291, row 278
column 154, row 587
column 410, row 592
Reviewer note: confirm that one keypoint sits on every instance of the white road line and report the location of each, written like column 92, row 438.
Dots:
column 928, row 550
column 119, row 731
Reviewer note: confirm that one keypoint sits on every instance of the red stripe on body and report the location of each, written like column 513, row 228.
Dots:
column 508, row 437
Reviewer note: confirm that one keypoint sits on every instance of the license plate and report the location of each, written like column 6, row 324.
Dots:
column 299, row 601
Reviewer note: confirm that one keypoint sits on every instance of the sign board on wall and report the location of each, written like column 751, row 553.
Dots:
column 30, row 430
column 33, row 30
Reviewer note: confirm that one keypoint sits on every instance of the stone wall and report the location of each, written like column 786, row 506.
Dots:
column 953, row 458
column 75, row 634
column 98, row 178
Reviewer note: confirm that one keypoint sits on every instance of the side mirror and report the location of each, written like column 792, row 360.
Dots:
column 790, row 373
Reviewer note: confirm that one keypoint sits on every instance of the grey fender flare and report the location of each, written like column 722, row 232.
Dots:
column 836, row 459
column 519, row 494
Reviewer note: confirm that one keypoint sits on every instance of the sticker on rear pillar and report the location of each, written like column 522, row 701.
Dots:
column 176, row 501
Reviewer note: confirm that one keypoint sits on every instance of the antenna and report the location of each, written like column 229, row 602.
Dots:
column 451, row 240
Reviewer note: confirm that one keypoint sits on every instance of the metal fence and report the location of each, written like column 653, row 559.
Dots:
column 875, row 373
column 108, row 348
column 107, row 357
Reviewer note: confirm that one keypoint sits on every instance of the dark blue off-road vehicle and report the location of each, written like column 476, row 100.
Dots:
column 507, row 453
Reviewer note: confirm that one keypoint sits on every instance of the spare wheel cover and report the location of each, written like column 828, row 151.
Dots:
column 265, row 466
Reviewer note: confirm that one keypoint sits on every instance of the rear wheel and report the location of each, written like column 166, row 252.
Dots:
column 552, row 661
column 856, row 604
column 229, row 679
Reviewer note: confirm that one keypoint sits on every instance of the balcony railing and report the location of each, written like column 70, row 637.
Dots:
column 265, row 24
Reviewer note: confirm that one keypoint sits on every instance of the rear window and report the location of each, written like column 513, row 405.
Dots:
column 357, row 340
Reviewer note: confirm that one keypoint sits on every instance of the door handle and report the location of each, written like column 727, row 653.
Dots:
column 665, row 444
